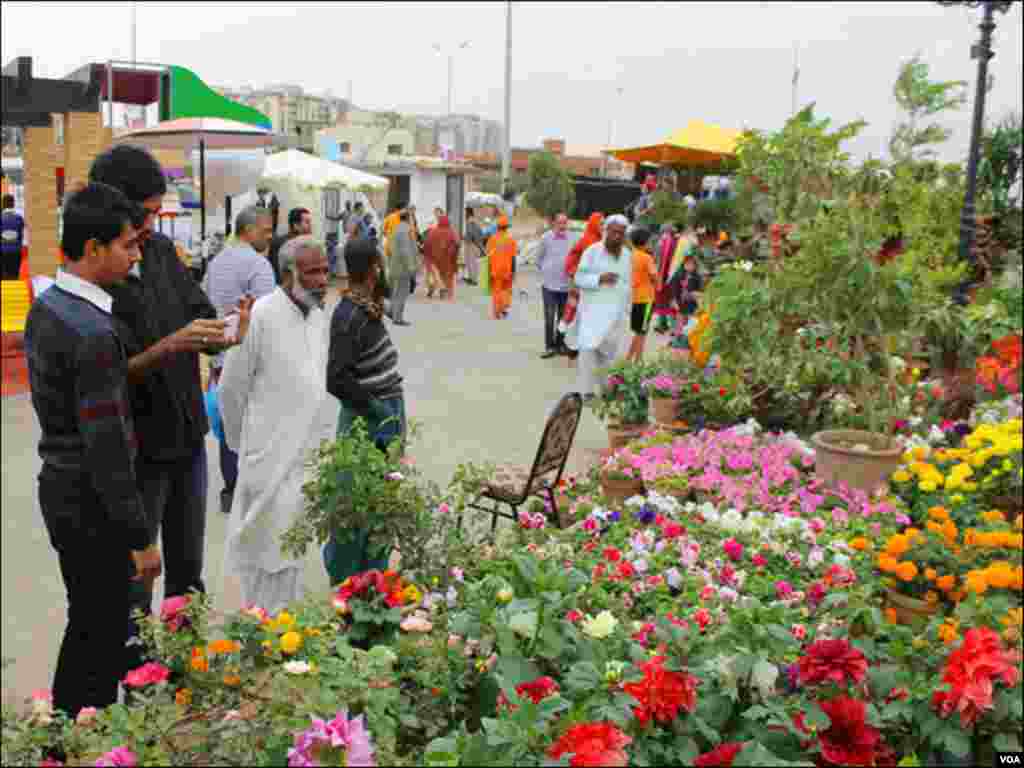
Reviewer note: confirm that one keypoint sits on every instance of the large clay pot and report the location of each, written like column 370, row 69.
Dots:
column 620, row 489
column 909, row 610
column 664, row 409
column 621, row 435
column 836, row 461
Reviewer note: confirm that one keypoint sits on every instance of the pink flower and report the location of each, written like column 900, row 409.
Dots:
column 42, row 694
column 147, row 674
column 573, row 616
column 86, row 716
column 172, row 612
column 444, row 509
column 799, row 632
column 817, row 524
column 703, row 617
column 759, row 560
column 708, row 592
column 339, row 742
column 733, row 549
column 783, row 590
column 118, row 757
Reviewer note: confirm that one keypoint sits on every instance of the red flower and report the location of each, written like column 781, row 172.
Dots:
column 722, row 755
column 626, row 570
column 971, row 671
column 612, row 555
column 723, row 391
column 703, row 617
column 147, row 674
column 759, row 560
column 573, row 616
column 592, row 744
column 849, row 740
column 662, row 693
column 695, row 388
column 172, row 612
column 535, row 690
column 673, row 531
column 832, row 660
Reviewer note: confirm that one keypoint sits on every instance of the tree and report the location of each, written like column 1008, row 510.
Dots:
column 921, row 99
column 549, row 189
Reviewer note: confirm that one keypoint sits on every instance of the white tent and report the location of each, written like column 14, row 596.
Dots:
column 308, row 171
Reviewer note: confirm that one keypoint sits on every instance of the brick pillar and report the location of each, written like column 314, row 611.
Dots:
column 84, row 138
column 40, row 156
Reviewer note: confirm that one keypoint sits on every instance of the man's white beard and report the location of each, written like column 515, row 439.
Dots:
column 305, row 297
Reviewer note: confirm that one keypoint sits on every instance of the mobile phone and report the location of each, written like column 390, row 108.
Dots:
column 231, row 329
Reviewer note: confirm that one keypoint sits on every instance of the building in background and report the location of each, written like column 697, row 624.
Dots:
column 367, row 139
column 577, row 160
column 293, row 112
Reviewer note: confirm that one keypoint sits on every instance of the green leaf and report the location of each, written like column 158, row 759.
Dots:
column 817, row 718
column 583, row 676
column 1006, row 742
column 957, row 742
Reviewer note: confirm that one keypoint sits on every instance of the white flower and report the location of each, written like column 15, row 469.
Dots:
column 297, row 667
column 816, row 557
column 763, row 677
column 600, row 626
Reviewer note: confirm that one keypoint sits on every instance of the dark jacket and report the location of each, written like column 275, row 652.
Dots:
column 168, row 407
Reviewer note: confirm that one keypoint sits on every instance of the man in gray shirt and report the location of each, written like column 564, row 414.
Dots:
column 404, row 263
column 239, row 270
column 551, row 255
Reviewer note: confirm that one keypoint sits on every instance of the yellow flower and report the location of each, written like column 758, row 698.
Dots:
column 1014, row 622
column 993, row 516
column 291, row 643
column 977, row 582
column 412, row 594
column 927, row 486
column 902, row 476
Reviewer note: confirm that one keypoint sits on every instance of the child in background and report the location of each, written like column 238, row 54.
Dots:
column 645, row 278
column 687, row 284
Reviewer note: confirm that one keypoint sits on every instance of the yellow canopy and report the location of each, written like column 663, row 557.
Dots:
column 699, row 143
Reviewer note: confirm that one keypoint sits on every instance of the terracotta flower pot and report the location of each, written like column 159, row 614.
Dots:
column 867, row 470
column 620, row 489
column 909, row 610
column 620, row 435
column 664, row 409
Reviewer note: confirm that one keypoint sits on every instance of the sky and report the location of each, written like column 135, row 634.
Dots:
column 629, row 73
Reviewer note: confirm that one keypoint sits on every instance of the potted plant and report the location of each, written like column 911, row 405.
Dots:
column 664, row 393
column 836, row 280
column 623, row 403
column 619, row 480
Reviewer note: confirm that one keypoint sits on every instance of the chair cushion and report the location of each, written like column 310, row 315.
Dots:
column 509, row 482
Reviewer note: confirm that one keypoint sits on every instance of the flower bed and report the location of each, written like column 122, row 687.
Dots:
column 735, row 614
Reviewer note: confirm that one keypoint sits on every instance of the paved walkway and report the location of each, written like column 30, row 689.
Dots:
column 478, row 386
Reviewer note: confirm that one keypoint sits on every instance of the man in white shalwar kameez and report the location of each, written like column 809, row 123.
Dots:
column 605, row 282
column 276, row 411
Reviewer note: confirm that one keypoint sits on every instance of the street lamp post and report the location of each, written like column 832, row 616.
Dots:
column 451, row 68
column 611, row 128
column 982, row 51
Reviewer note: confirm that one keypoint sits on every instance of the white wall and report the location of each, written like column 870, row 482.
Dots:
column 427, row 190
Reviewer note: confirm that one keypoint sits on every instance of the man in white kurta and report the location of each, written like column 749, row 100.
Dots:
column 605, row 282
column 276, row 412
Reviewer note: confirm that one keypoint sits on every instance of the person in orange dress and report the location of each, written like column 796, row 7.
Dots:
column 645, row 279
column 501, row 255
column 442, row 250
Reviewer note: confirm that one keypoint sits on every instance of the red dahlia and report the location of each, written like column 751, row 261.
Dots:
column 662, row 693
column 849, row 740
column 832, row 660
column 722, row 755
column 592, row 744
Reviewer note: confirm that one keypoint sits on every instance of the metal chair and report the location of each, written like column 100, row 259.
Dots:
column 512, row 486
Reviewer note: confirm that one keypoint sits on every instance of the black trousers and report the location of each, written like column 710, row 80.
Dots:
column 96, row 571
column 554, row 305
column 11, row 265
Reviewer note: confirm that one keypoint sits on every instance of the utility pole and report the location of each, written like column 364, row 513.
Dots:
column 506, row 160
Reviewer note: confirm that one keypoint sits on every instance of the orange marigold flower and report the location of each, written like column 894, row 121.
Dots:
column 977, row 582
column 970, row 537
column 938, row 513
column 906, row 571
column 199, row 660
column 993, row 516
column 887, row 563
column 999, row 575
column 930, row 574
column 934, row 527
column 231, row 679
column 897, row 545
column 860, row 543
column 890, row 615
column 222, row 647
column 946, row 583
column 948, row 633
column 949, row 530
column 183, row 697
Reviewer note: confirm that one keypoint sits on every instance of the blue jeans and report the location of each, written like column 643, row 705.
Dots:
column 350, row 552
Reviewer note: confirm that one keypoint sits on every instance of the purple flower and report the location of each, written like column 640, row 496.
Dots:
column 962, row 429
column 646, row 514
column 902, row 519
column 615, row 516
column 673, row 578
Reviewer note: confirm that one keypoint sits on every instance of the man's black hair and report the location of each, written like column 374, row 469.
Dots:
column 640, row 237
column 133, row 170
column 361, row 256
column 295, row 217
column 359, row 206
column 470, row 213
column 8, row 202
column 96, row 212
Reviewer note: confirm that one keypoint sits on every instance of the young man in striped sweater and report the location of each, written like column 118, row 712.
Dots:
column 90, row 501
column 362, row 372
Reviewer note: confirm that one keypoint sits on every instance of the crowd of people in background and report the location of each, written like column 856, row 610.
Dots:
column 113, row 352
